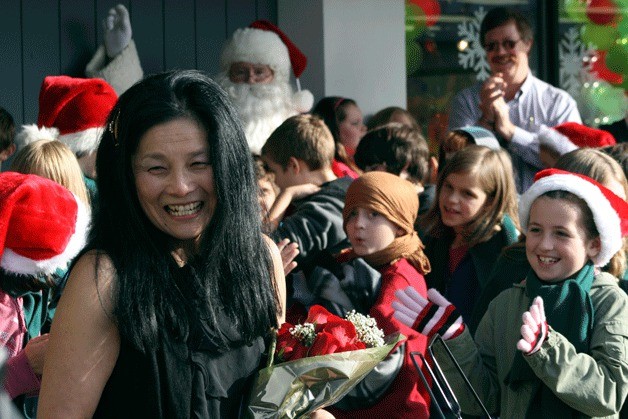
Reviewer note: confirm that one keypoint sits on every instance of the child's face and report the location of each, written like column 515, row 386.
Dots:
column 267, row 193
column 461, row 200
column 369, row 231
column 556, row 242
column 351, row 129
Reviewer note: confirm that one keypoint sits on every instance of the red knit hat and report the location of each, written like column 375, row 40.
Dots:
column 610, row 212
column 73, row 111
column 569, row 136
column 42, row 224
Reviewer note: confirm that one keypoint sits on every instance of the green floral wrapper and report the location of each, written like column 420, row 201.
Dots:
column 293, row 389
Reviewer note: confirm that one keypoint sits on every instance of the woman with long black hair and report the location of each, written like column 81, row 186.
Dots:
column 167, row 311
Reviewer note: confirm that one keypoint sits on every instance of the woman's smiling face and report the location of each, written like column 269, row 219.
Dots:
column 174, row 178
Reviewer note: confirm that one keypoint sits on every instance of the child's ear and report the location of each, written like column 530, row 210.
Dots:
column 593, row 247
column 293, row 165
column 6, row 153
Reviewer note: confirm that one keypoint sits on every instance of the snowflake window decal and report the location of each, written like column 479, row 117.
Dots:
column 572, row 53
column 473, row 56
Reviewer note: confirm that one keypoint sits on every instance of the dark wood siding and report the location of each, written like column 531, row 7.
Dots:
column 50, row 37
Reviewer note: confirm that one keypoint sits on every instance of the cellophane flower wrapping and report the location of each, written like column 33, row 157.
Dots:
column 317, row 363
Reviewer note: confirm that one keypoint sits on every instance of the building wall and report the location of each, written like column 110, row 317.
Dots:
column 356, row 48
column 52, row 37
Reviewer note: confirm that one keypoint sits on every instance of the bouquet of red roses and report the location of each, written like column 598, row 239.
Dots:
column 314, row 364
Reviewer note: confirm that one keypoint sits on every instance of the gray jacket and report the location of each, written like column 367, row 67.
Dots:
column 315, row 224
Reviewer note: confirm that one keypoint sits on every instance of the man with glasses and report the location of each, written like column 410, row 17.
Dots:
column 512, row 102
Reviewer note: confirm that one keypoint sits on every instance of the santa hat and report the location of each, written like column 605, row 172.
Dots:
column 610, row 212
column 42, row 224
column 264, row 43
column 570, row 136
column 73, row 111
column 480, row 136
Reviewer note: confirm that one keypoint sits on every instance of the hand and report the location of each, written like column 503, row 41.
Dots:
column 321, row 414
column 288, row 250
column 428, row 316
column 534, row 329
column 492, row 89
column 502, row 124
column 36, row 353
column 117, row 28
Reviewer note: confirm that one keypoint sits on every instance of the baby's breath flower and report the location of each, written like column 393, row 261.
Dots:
column 304, row 332
column 366, row 326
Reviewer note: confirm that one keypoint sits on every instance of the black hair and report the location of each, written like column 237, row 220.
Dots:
column 619, row 152
column 7, row 129
column 332, row 110
column 232, row 271
column 398, row 147
column 500, row 16
column 384, row 116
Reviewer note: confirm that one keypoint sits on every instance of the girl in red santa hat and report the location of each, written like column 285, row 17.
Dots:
column 568, row 354
column 42, row 227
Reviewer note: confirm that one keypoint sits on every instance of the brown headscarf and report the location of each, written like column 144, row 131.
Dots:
column 397, row 200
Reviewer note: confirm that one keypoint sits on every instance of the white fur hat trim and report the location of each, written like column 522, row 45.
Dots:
column 83, row 141
column 257, row 46
column 605, row 217
column 553, row 139
column 31, row 133
column 19, row 264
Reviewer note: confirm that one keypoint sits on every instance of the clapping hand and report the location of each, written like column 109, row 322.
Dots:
column 503, row 126
column 434, row 315
column 117, row 28
column 492, row 90
column 534, row 329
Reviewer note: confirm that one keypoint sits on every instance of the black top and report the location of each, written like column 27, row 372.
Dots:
column 182, row 377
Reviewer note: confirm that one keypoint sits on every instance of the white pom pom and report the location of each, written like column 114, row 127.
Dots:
column 31, row 133
column 303, row 101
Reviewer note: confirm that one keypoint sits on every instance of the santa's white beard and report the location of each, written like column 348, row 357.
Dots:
column 262, row 107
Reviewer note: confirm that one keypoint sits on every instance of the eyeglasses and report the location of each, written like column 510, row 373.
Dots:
column 250, row 73
column 507, row 44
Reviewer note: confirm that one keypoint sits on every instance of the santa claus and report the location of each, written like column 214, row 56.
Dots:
column 255, row 71
column 256, row 63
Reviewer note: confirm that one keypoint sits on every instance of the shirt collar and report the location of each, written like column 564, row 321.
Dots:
column 525, row 87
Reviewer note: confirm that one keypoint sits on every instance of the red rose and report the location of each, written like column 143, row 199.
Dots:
column 337, row 335
column 333, row 334
column 319, row 316
column 289, row 347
